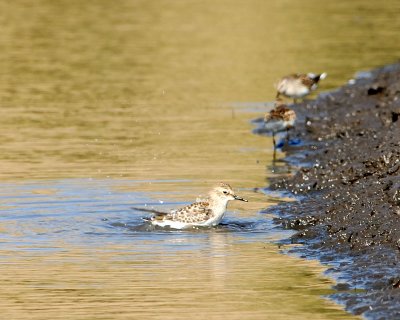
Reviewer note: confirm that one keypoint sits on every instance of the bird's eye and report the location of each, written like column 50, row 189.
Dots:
column 225, row 192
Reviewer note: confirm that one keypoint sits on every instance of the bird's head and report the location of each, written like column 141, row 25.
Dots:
column 224, row 191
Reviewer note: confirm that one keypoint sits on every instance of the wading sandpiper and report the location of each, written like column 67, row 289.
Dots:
column 205, row 213
column 297, row 86
column 279, row 119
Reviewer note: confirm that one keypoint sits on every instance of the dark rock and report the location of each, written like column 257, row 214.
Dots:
column 375, row 90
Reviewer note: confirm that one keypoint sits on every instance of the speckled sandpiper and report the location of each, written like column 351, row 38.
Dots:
column 205, row 213
column 297, row 86
column 279, row 119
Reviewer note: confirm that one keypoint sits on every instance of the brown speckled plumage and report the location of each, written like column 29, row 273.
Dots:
column 303, row 79
column 298, row 85
column 202, row 213
column 199, row 211
column 281, row 118
column 281, row 112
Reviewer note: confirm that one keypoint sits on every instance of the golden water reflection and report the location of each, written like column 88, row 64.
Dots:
column 75, row 249
column 224, row 279
column 160, row 93
column 143, row 88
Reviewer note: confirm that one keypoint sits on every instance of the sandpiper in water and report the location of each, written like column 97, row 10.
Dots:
column 297, row 86
column 204, row 213
column 279, row 119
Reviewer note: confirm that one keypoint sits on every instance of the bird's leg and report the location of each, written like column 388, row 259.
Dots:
column 273, row 140
column 294, row 100
column 277, row 94
column 287, row 136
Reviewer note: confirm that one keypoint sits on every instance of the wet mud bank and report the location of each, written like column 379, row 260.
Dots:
column 348, row 183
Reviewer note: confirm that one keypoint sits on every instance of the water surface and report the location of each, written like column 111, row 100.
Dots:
column 74, row 248
column 105, row 106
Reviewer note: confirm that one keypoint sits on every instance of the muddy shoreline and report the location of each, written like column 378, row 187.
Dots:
column 349, row 185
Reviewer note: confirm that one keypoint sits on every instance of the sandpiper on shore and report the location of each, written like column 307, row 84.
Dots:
column 350, row 183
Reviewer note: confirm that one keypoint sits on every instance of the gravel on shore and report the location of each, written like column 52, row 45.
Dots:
column 348, row 183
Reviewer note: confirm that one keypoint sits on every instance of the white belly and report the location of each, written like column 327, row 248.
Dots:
column 278, row 125
column 213, row 221
column 275, row 125
column 171, row 224
column 182, row 225
column 296, row 91
column 219, row 213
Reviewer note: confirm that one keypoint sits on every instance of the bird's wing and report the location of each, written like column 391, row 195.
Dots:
column 307, row 81
column 196, row 212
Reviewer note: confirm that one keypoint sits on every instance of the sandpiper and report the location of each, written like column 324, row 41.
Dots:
column 297, row 86
column 279, row 119
column 205, row 213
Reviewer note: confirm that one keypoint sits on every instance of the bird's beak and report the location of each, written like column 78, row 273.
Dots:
column 239, row 198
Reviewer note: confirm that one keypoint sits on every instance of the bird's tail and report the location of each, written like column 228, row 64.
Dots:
column 317, row 77
column 149, row 210
column 155, row 212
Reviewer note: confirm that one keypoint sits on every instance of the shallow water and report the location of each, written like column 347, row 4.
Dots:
column 75, row 249
column 104, row 107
